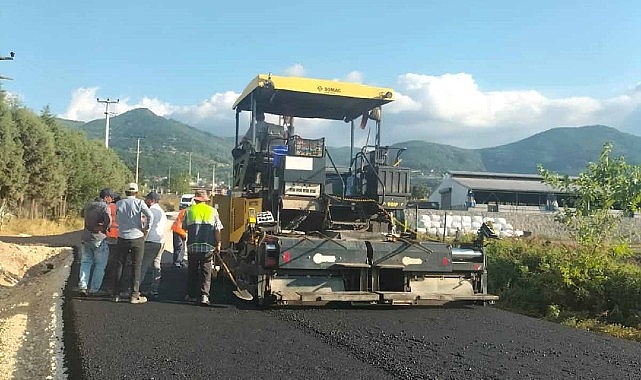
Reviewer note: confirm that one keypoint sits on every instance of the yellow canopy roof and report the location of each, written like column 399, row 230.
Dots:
column 312, row 98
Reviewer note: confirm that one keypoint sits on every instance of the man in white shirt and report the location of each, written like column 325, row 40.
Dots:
column 154, row 246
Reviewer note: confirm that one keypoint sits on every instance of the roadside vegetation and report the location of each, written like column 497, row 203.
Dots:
column 48, row 171
column 592, row 282
column 41, row 226
column 595, row 290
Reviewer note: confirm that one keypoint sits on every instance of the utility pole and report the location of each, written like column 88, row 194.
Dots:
column 7, row 58
column 107, row 103
column 189, row 167
column 213, row 179
column 169, row 181
column 137, row 158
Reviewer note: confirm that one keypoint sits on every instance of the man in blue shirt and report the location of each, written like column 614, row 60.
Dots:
column 133, row 218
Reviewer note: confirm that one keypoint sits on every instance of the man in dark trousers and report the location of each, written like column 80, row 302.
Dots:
column 203, row 226
column 154, row 246
column 134, row 218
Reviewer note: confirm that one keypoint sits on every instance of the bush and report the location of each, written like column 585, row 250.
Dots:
column 169, row 202
column 548, row 279
column 168, row 207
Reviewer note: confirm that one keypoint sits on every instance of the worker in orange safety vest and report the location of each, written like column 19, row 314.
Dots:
column 112, row 240
column 179, row 238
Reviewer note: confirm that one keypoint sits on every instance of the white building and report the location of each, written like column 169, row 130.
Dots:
column 461, row 190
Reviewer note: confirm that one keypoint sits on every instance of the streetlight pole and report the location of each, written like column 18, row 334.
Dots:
column 189, row 167
column 169, row 182
column 107, row 103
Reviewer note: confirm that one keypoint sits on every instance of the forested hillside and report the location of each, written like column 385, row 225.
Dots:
column 564, row 150
column 164, row 144
column 47, row 169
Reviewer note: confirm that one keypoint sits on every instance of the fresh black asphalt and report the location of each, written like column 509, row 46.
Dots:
column 170, row 339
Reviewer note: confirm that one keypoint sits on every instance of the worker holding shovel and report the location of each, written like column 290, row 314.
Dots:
column 203, row 226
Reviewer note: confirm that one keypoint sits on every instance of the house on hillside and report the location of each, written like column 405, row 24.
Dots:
column 462, row 190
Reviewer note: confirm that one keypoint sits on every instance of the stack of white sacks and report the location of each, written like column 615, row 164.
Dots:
column 434, row 224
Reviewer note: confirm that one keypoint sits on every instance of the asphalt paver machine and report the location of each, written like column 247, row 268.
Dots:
column 300, row 229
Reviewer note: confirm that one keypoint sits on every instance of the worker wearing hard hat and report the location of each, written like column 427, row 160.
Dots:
column 203, row 226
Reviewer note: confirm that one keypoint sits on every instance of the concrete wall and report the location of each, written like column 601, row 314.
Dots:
column 540, row 223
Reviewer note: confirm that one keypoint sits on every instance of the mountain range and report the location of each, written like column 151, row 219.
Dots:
column 566, row 150
column 166, row 144
column 167, row 147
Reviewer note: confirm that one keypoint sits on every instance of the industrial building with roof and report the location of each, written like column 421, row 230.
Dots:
column 461, row 190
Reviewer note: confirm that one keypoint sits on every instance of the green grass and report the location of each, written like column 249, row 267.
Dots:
column 611, row 329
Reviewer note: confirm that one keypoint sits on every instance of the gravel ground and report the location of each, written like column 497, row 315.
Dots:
column 34, row 271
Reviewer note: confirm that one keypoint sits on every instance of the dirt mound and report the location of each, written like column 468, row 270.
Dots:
column 31, row 281
column 16, row 260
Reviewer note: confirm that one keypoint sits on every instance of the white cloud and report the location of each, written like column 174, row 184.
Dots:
column 447, row 109
column 354, row 76
column 157, row 106
column 635, row 90
column 452, row 109
column 83, row 105
column 456, row 98
column 296, row 70
column 215, row 109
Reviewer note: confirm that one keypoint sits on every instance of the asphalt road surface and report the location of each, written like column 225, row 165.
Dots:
column 170, row 339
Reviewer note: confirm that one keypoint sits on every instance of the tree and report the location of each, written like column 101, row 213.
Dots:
column 420, row 191
column 88, row 166
column 606, row 185
column 43, row 169
column 180, row 183
column 12, row 169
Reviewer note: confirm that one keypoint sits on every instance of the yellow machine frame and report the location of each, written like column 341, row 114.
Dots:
column 312, row 98
column 235, row 214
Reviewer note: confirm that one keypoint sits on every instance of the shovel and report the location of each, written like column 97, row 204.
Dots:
column 243, row 294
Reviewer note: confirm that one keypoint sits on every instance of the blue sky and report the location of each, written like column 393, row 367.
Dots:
column 467, row 73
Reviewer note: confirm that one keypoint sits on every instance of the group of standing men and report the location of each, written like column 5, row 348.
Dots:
column 131, row 231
